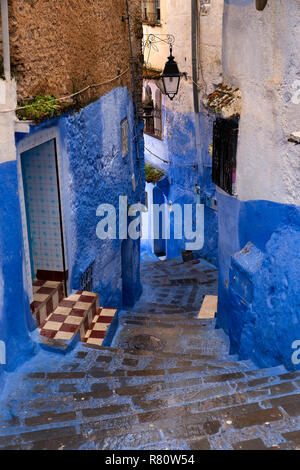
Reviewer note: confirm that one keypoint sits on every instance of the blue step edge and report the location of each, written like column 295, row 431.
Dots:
column 109, row 337
column 52, row 345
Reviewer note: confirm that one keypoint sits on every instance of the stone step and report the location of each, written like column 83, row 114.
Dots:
column 142, row 365
column 231, row 413
column 141, row 437
column 46, row 297
column 97, row 330
column 191, row 354
column 167, row 309
column 208, row 371
column 160, row 387
column 72, row 317
column 160, row 395
column 199, row 328
column 172, row 320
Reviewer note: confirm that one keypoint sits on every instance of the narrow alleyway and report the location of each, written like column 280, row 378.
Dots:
column 168, row 382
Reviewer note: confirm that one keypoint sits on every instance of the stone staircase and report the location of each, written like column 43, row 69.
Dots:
column 167, row 382
column 112, row 398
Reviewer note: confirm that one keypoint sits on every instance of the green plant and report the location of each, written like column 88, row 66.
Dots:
column 153, row 175
column 41, row 108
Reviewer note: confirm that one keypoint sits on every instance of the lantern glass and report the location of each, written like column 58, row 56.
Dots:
column 171, row 85
column 171, row 77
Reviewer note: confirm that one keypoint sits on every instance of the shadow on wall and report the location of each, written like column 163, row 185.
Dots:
column 160, row 244
column 259, row 288
column 16, row 321
column 131, row 287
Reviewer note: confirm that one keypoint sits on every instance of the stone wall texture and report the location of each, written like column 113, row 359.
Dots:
column 261, row 58
column 60, row 47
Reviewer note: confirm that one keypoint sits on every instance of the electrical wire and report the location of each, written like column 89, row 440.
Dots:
column 133, row 85
column 63, row 98
column 171, row 163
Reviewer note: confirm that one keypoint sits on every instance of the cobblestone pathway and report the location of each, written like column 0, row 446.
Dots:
column 168, row 382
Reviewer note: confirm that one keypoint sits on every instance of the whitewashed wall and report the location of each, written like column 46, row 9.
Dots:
column 261, row 56
column 8, row 101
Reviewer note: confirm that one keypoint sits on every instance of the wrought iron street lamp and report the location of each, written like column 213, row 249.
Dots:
column 171, row 77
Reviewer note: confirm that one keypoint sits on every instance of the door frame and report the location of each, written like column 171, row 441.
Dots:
column 27, row 143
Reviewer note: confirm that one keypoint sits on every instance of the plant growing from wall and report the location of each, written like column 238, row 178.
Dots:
column 41, row 108
column 153, row 175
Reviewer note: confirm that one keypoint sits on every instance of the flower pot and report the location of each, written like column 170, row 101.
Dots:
column 187, row 256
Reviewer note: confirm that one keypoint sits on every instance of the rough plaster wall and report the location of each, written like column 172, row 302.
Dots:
column 7, row 101
column 179, row 145
column 61, row 47
column 276, row 331
column 261, row 57
column 96, row 173
column 15, row 312
column 176, row 20
column 156, row 58
column 210, row 46
column 210, row 25
column 259, row 306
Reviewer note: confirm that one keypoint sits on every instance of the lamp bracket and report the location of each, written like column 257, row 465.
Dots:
column 151, row 40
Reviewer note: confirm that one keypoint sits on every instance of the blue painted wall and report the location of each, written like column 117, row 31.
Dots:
column 92, row 172
column 98, row 174
column 259, row 289
column 15, row 317
column 185, row 170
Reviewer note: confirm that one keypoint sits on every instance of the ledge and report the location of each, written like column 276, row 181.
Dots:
column 295, row 137
column 23, row 126
column 225, row 101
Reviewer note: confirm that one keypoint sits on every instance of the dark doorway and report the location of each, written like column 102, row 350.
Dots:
column 160, row 244
column 128, row 294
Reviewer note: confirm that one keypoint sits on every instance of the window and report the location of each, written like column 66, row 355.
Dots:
column 151, row 12
column 124, row 137
column 224, row 153
column 87, row 279
column 153, row 112
column 261, row 4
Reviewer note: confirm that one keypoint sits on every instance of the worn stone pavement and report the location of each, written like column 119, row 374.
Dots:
column 168, row 382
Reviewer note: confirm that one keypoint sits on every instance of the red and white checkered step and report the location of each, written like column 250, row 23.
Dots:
column 46, row 297
column 72, row 316
column 98, row 328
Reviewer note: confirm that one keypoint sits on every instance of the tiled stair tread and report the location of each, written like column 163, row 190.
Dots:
column 167, row 362
column 239, row 415
column 70, row 437
column 209, row 307
column 234, row 379
column 168, row 323
column 114, row 398
column 156, row 396
column 192, row 354
column 166, row 309
column 73, row 315
column 46, row 297
column 112, row 419
column 171, row 322
column 99, row 326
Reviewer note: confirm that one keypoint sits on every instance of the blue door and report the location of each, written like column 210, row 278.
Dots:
column 43, row 212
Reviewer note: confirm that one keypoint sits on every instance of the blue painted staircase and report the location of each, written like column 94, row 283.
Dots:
column 167, row 382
